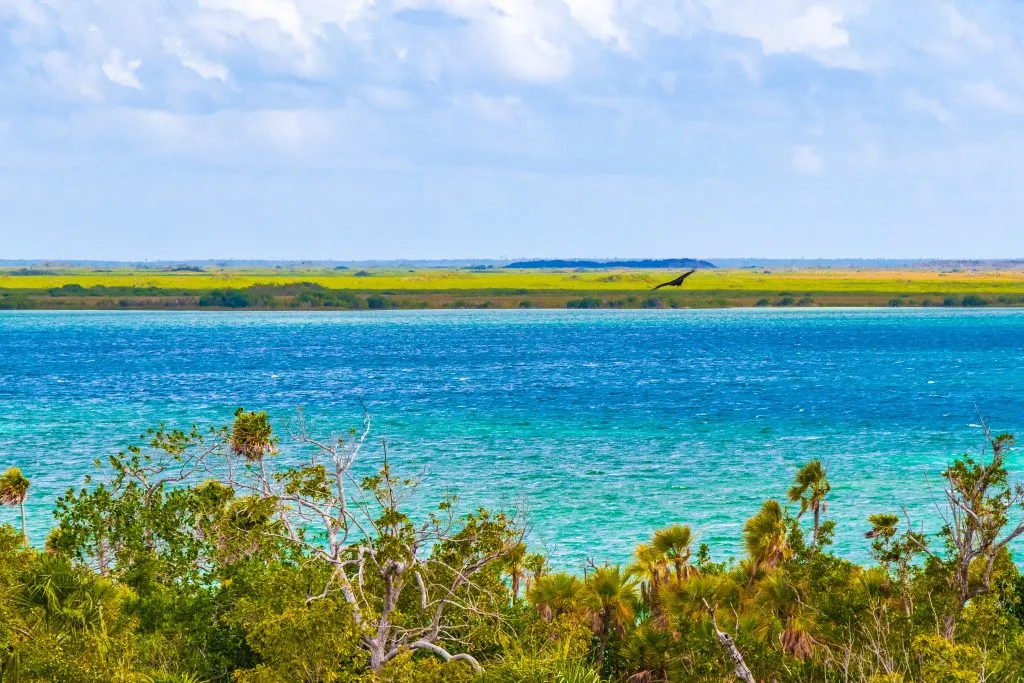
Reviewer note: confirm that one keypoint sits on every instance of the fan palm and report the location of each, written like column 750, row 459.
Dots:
column 610, row 595
column 648, row 653
column 68, row 598
column 810, row 490
column 883, row 526
column 515, row 566
column 765, row 536
column 650, row 568
column 690, row 600
column 555, row 594
column 13, row 492
column 674, row 543
column 779, row 597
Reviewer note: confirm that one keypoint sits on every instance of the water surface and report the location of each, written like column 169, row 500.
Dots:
column 606, row 424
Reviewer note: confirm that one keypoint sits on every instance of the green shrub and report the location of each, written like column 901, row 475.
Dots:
column 226, row 298
column 378, row 303
column 585, row 302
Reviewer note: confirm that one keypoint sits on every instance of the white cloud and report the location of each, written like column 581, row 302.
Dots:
column 388, row 98
column 524, row 40
column 122, row 72
column 532, row 41
column 782, row 27
column 987, row 94
column 520, row 51
column 224, row 135
column 806, row 160
column 203, row 67
column 506, row 109
column 723, row 63
column 284, row 14
column 66, row 77
column 915, row 102
column 598, row 18
column 962, row 28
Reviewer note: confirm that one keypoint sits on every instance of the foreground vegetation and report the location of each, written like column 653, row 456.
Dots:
column 200, row 556
column 497, row 288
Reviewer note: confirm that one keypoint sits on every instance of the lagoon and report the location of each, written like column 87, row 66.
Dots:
column 604, row 424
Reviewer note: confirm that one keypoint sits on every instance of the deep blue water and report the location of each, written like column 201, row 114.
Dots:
column 605, row 424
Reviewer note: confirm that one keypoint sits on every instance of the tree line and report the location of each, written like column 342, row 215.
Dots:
column 203, row 555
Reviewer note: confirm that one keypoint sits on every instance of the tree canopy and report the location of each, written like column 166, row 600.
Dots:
column 208, row 555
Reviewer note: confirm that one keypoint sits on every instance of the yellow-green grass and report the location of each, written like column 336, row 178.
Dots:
column 796, row 282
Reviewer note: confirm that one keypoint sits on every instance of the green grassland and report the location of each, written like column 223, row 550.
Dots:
column 284, row 288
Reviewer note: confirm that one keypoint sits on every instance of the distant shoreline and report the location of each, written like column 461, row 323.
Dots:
column 474, row 288
column 718, row 262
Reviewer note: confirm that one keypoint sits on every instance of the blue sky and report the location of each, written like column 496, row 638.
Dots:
column 352, row 129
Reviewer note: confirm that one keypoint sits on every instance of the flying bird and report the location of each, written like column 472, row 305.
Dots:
column 678, row 282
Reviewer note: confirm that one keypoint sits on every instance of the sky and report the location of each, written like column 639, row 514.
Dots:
column 365, row 129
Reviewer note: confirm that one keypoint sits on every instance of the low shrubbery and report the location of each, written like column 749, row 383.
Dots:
column 200, row 556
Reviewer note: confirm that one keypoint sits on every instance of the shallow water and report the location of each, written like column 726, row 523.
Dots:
column 605, row 424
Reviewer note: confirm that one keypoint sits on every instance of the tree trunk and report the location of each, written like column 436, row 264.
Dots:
column 740, row 668
column 376, row 656
column 24, row 533
column 603, row 639
column 960, row 579
column 948, row 627
column 817, row 518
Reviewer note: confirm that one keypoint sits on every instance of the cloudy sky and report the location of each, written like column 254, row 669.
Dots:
column 351, row 129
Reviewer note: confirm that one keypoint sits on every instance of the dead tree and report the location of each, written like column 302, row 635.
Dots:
column 410, row 585
column 381, row 560
column 979, row 503
column 740, row 668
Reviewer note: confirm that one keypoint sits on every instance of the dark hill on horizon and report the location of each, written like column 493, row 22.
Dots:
column 642, row 263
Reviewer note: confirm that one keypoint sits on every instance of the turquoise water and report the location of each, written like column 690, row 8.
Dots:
column 605, row 424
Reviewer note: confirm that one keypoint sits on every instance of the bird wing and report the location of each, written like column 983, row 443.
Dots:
column 678, row 282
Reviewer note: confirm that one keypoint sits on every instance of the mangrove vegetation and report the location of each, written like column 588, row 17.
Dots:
column 221, row 555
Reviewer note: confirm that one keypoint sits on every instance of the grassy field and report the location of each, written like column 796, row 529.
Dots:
column 747, row 280
column 441, row 288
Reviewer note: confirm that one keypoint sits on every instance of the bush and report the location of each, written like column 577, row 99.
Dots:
column 162, row 574
column 585, row 302
column 13, row 302
column 378, row 303
column 226, row 298
column 975, row 300
column 763, row 302
column 69, row 290
column 329, row 299
column 951, row 301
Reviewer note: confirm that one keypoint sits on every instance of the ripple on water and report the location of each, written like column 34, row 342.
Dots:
column 606, row 424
